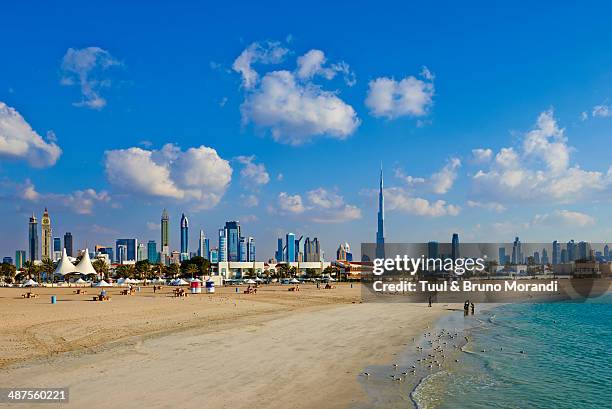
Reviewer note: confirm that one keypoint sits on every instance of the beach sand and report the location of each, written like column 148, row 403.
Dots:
column 273, row 349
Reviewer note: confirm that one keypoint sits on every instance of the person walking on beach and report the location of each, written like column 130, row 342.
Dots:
column 466, row 307
column 473, row 307
column 430, row 300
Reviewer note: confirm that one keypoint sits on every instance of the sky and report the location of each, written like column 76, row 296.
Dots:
column 489, row 121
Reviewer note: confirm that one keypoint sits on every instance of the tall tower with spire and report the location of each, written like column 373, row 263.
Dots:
column 47, row 238
column 380, row 233
column 165, row 233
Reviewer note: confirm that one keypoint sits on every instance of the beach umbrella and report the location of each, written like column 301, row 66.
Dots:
column 249, row 281
column 102, row 284
column 294, row 281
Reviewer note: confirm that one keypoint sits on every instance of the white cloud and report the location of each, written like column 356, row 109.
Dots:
column 253, row 174
column 481, row 155
column 83, row 67
column 601, row 111
column 443, row 180
column 321, row 206
column 314, row 63
column 408, row 97
column 78, row 201
column 493, row 206
column 538, row 170
column 576, row 219
column 291, row 204
column 19, row 141
column 198, row 175
column 249, row 200
column 400, row 199
column 439, row 182
column 264, row 53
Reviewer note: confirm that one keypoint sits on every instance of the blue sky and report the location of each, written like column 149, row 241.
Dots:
column 338, row 89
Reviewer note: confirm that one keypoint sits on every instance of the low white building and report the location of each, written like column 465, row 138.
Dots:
column 238, row 269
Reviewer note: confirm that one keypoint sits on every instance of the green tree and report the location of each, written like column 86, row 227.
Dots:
column 202, row 266
column 101, row 268
column 7, row 272
column 125, row 271
column 142, row 268
column 172, row 270
column 48, row 267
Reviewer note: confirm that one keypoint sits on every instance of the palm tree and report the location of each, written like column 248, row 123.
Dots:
column 48, row 267
column 101, row 268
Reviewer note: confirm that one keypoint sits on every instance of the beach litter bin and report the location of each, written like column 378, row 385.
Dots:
column 195, row 287
column 53, row 299
column 210, row 286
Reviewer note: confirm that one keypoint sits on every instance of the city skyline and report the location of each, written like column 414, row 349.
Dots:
column 467, row 147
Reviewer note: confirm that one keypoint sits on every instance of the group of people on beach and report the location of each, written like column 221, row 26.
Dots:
column 467, row 306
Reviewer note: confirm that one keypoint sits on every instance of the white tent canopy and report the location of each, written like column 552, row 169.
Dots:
column 102, row 284
column 80, row 281
column 84, row 266
column 30, row 283
column 249, row 281
column 294, row 281
column 179, row 281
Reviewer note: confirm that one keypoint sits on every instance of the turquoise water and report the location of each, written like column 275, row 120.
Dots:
column 555, row 355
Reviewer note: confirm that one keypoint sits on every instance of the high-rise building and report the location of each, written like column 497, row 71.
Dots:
column 571, row 251
column 214, row 256
column 344, row 253
column 184, row 237
column 152, row 254
column 517, row 255
column 606, row 252
column 203, row 246
column 312, row 251
column 68, row 244
column 455, row 246
column 242, row 249
column 290, row 248
column 502, row 256
column 45, row 223
column 57, row 244
column 544, row 256
column 433, row 249
column 222, row 245
column 233, row 234
column 564, row 256
column 165, row 234
column 380, row 232
column 33, row 238
column 536, row 257
column 556, row 252
column 20, row 258
column 142, row 252
column 121, row 253
column 584, row 251
column 251, row 249
column 105, row 250
column 7, row 260
column 278, row 255
column 131, row 246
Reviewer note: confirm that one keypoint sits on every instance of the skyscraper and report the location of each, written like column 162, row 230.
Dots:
column 571, row 250
column 203, row 245
column 20, row 258
column 502, row 256
column 251, row 249
column 232, row 233
column 517, row 255
column 184, row 235
column 290, row 248
column 152, row 255
column 433, row 249
column 544, row 256
column 455, row 246
column 312, row 252
column 46, row 236
column 556, row 252
column 279, row 250
column 131, row 248
column 68, row 244
column 222, row 245
column 33, row 238
column 142, row 253
column 57, row 244
column 242, row 249
column 165, row 234
column 380, row 233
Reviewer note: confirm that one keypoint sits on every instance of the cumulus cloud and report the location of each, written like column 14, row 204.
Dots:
column 601, row 111
column 481, row 155
column 409, row 96
column 84, row 67
column 253, row 174
column 263, row 53
column 78, row 201
column 439, row 182
column 289, row 103
column 198, row 174
column 19, row 141
column 576, row 219
column 320, row 206
column 538, row 169
column 400, row 199
column 249, row 200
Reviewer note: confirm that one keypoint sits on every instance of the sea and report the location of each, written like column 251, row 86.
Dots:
column 551, row 355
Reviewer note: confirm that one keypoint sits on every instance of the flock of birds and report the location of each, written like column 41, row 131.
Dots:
column 438, row 348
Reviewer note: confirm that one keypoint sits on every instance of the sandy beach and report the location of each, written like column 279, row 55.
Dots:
column 273, row 349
